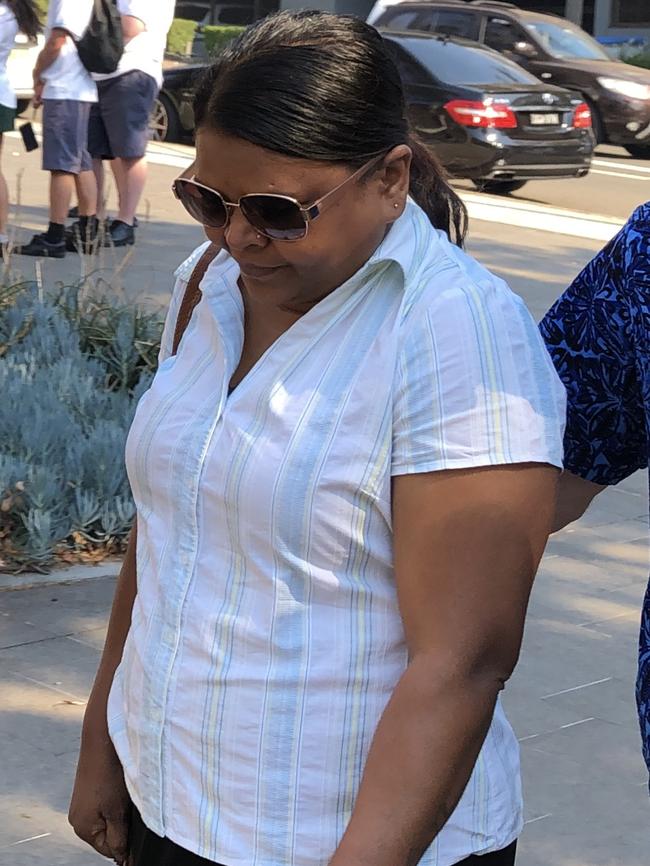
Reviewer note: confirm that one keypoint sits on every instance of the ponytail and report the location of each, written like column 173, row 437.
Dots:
column 432, row 191
column 27, row 17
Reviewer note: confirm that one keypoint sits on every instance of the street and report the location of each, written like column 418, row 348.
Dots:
column 571, row 701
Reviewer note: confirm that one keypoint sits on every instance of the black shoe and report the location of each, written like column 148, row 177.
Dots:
column 119, row 234
column 73, row 213
column 42, row 247
column 82, row 240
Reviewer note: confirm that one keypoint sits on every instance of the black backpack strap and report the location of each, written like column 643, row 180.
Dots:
column 192, row 294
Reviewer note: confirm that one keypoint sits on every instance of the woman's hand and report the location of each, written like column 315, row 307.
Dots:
column 100, row 806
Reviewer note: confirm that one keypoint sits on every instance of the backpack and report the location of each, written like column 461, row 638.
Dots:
column 102, row 45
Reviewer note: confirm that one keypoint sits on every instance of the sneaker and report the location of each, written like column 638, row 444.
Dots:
column 42, row 247
column 119, row 235
column 82, row 241
column 73, row 214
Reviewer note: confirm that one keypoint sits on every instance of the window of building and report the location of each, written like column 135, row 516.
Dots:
column 630, row 13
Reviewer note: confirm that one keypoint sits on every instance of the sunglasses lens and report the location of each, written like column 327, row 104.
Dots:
column 276, row 217
column 204, row 205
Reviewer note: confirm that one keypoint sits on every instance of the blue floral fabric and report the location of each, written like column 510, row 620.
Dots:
column 598, row 334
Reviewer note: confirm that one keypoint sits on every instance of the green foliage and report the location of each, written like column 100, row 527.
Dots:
column 216, row 37
column 72, row 368
column 181, row 36
column 642, row 60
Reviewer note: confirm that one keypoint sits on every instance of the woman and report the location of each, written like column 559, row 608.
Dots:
column 15, row 16
column 344, row 481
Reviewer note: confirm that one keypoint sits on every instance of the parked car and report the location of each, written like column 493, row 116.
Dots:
column 487, row 118
column 551, row 48
column 20, row 65
column 229, row 13
column 172, row 118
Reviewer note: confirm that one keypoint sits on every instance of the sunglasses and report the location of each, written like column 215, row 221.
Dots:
column 278, row 217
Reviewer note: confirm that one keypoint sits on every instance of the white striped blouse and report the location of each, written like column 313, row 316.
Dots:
column 266, row 637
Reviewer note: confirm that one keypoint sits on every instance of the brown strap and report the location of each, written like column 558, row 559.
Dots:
column 192, row 294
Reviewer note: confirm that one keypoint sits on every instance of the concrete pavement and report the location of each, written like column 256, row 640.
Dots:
column 571, row 700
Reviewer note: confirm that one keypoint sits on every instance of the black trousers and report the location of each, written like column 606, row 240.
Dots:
column 147, row 849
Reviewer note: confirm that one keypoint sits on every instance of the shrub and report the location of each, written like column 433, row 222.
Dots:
column 72, row 368
column 216, row 37
column 642, row 60
column 181, row 36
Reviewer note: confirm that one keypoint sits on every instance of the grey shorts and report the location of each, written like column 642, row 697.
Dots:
column 65, row 135
column 119, row 122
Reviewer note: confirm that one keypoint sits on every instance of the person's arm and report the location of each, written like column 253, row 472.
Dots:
column 467, row 546
column 590, row 335
column 131, row 27
column 49, row 53
column 574, row 496
column 99, row 809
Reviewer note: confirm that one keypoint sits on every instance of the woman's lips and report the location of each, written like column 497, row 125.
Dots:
column 258, row 272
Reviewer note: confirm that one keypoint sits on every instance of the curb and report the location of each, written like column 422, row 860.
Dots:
column 60, row 577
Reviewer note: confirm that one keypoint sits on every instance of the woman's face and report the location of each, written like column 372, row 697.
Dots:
column 338, row 242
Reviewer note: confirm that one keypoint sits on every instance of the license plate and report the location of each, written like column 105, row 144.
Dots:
column 550, row 119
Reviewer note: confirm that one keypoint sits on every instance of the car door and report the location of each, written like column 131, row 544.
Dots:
column 453, row 22
column 509, row 38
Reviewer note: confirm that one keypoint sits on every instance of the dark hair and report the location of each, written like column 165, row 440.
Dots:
column 319, row 86
column 27, row 17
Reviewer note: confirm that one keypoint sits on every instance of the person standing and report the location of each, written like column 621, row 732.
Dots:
column 119, row 123
column 344, row 475
column 66, row 91
column 598, row 334
column 15, row 16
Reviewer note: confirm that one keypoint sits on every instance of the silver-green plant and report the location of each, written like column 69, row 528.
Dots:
column 72, row 368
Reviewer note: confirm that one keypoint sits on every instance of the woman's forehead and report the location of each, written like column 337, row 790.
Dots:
column 236, row 167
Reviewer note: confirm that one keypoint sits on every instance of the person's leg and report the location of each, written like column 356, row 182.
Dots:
column 87, row 193
column 147, row 849
column 99, row 148
column 132, row 174
column 100, row 180
column 126, row 109
column 61, row 189
column 4, row 203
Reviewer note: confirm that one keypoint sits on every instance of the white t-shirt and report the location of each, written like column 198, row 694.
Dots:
column 145, row 51
column 8, row 32
column 67, row 77
column 266, row 636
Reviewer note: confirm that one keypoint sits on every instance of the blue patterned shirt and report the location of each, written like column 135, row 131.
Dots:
column 598, row 334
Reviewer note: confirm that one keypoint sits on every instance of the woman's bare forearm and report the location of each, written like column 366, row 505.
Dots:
column 421, row 758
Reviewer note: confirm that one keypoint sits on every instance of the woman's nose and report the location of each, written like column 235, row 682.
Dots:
column 240, row 234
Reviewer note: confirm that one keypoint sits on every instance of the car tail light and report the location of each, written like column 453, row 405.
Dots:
column 486, row 114
column 582, row 116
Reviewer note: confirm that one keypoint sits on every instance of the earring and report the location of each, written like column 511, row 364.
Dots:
column 258, row 236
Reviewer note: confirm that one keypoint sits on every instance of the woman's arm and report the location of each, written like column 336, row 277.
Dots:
column 467, row 546
column 99, row 808
column 574, row 496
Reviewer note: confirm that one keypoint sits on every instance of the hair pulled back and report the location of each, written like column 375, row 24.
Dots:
column 26, row 13
column 318, row 86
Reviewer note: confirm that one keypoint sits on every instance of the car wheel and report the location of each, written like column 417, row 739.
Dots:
column 164, row 123
column 638, row 151
column 499, row 187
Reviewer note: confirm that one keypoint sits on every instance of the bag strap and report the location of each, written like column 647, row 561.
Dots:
column 192, row 294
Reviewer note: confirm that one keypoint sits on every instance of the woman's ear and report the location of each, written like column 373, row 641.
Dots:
column 394, row 177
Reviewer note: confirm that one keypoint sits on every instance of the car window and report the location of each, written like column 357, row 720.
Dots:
column 450, row 22
column 411, row 72
column 464, row 64
column 502, row 35
column 193, row 11
column 402, row 19
column 564, row 40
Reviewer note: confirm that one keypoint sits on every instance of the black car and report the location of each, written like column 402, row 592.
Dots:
column 551, row 48
column 486, row 118
column 172, row 118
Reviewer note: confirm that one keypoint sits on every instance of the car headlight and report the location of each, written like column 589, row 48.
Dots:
column 631, row 89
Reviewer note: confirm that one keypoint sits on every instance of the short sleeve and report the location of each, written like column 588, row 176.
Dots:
column 590, row 335
column 71, row 15
column 474, row 384
column 182, row 274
